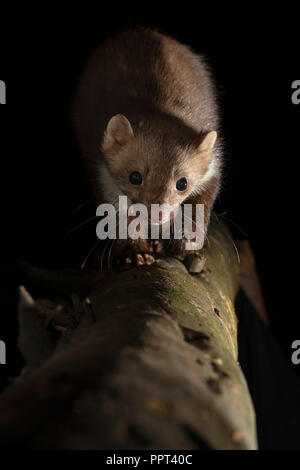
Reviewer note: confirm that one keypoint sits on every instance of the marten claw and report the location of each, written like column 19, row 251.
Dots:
column 142, row 259
column 135, row 260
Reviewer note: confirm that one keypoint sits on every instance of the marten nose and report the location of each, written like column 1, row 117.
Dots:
column 156, row 217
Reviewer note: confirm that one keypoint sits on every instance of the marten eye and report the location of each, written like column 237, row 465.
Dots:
column 135, row 178
column 181, row 184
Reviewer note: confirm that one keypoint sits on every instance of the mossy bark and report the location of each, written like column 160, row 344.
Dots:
column 149, row 361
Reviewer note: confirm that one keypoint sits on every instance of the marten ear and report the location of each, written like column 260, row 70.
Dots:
column 118, row 132
column 204, row 147
column 207, row 143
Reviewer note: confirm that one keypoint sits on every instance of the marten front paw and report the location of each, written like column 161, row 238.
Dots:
column 135, row 253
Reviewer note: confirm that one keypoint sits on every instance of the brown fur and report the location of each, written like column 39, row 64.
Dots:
column 167, row 94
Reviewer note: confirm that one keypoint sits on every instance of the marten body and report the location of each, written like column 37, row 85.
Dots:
column 146, row 106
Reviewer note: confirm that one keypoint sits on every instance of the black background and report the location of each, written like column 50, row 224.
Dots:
column 255, row 58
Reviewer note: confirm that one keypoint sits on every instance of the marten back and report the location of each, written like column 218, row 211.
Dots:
column 142, row 73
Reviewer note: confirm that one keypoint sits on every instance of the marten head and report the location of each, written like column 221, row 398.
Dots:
column 155, row 161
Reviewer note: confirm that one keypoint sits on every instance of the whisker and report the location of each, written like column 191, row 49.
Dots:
column 207, row 239
column 80, row 225
column 189, row 218
column 231, row 239
column 236, row 250
column 81, row 206
column 172, row 233
column 89, row 253
column 109, row 254
column 233, row 223
column 113, row 241
column 102, row 255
